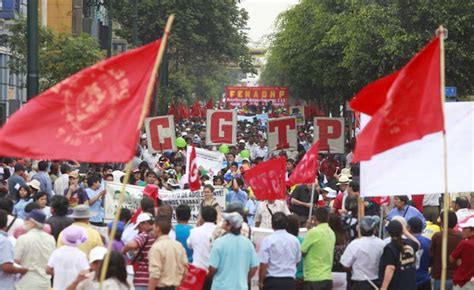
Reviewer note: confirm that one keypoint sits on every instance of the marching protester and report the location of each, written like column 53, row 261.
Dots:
column 267, row 209
column 279, row 255
column 403, row 209
column 423, row 279
column 59, row 219
column 183, row 229
column 463, row 257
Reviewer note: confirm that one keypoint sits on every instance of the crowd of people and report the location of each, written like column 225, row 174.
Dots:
column 53, row 231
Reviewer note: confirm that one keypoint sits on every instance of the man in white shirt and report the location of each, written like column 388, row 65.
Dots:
column 265, row 211
column 62, row 183
column 200, row 240
column 261, row 150
column 279, row 254
column 461, row 207
column 363, row 255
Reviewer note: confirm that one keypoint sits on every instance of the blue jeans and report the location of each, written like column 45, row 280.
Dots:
column 437, row 284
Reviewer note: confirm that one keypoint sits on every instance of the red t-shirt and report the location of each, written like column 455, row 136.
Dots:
column 337, row 205
column 464, row 252
column 418, row 201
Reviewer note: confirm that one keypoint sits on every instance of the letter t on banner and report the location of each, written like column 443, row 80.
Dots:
column 267, row 179
column 282, row 134
column 221, row 127
column 161, row 134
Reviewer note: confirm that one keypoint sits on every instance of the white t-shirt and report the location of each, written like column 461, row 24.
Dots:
column 263, row 215
column 363, row 255
column 200, row 242
column 67, row 262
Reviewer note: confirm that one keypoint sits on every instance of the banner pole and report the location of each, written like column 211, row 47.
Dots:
column 128, row 170
column 446, row 200
column 312, row 200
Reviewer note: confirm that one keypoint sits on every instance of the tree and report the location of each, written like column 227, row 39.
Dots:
column 60, row 55
column 205, row 38
column 326, row 51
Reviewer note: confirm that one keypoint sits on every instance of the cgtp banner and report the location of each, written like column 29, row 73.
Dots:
column 210, row 161
column 221, row 127
column 133, row 196
column 330, row 133
column 160, row 133
column 282, row 134
column 239, row 96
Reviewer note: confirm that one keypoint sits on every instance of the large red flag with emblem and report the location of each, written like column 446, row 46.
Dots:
column 405, row 105
column 92, row 116
column 267, row 179
column 194, row 179
column 307, row 169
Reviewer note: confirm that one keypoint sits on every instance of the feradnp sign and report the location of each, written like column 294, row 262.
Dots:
column 282, row 134
column 330, row 133
column 221, row 127
column 160, row 133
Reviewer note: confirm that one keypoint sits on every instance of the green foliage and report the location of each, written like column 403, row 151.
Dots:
column 328, row 50
column 59, row 55
column 206, row 36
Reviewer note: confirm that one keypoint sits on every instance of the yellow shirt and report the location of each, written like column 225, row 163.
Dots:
column 430, row 229
column 167, row 262
column 93, row 238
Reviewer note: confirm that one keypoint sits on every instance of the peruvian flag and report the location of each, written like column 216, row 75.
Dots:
column 78, row 118
column 194, row 179
column 400, row 146
column 307, row 169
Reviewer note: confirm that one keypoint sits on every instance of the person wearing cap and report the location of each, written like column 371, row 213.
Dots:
column 15, row 181
column 397, row 267
column 142, row 244
column 454, row 238
column 231, row 250
column 402, row 208
column 362, row 255
column 68, row 261
column 279, row 254
column 318, row 251
column 265, row 211
column 327, row 195
column 81, row 215
column 339, row 202
column 32, row 251
column 423, row 278
column 167, row 258
column 463, row 256
column 75, row 193
column 8, row 270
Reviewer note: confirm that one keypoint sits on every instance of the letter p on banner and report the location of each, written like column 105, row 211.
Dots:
column 282, row 134
column 160, row 133
column 330, row 133
column 221, row 127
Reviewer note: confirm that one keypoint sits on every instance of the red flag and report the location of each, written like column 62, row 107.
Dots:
column 78, row 118
column 183, row 111
column 412, row 109
column 267, row 179
column 209, row 104
column 307, row 169
column 194, row 180
column 172, row 111
column 196, row 110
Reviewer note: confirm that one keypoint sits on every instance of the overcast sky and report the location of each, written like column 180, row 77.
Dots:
column 263, row 14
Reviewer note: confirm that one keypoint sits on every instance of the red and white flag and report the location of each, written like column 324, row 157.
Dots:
column 307, row 169
column 267, row 179
column 194, row 179
column 401, row 146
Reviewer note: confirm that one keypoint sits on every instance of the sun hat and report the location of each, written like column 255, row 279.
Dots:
column 234, row 219
column 97, row 254
column 74, row 235
column 346, row 172
column 368, row 223
column 34, row 184
column 81, row 212
column 143, row 217
column 343, row 179
column 37, row 215
column 74, row 174
column 172, row 182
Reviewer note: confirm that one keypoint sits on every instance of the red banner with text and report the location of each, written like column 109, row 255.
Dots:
column 239, row 96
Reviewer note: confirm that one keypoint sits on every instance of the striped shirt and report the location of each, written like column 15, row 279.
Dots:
column 142, row 274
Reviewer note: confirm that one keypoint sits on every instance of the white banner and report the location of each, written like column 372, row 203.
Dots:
column 160, row 133
column 210, row 161
column 133, row 196
column 221, row 127
column 330, row 133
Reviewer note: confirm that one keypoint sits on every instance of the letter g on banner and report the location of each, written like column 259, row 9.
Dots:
column 221, row 127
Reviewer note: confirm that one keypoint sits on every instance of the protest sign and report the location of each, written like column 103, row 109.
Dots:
column 133, row 196
column 239, row 96
column 210, row 161
column 299, row 113
column 160, row 134
column 282, row 134
column 330, row 133
column 221, row 127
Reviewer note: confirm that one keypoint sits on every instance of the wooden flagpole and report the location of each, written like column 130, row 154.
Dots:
column 128, row 170
column 444, row 246
column 312, row 200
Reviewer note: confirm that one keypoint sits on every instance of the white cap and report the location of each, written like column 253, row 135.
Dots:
column 241, row 141
column 144, row 136
column 143, row 217
column 331, row 192
column 97, row 254
column 467, row 224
